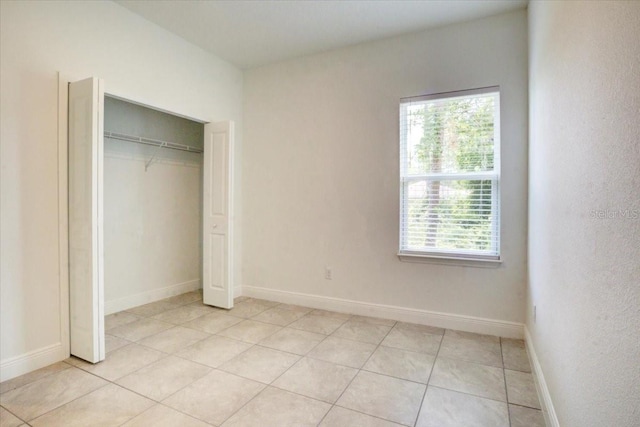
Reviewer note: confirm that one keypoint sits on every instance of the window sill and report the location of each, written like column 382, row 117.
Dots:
column 450, row 260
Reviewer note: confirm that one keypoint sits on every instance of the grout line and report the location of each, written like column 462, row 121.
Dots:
column 358, row 371
column 15, row 415
column 433, row 366
column 504, row 378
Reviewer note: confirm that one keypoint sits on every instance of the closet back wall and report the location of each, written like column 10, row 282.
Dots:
column 152, row 215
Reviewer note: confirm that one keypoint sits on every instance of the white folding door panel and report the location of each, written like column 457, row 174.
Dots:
column 217, row 275
column 86, row 260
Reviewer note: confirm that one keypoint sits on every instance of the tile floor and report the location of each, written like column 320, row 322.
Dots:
column 178, row 362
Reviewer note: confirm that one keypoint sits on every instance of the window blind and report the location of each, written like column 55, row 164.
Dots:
column 450, row 174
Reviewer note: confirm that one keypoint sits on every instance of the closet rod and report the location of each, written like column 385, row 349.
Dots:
column 149, row 141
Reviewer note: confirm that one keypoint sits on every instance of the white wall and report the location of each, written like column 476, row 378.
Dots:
column 584, row 271
column 321, row 169
column 138, row 61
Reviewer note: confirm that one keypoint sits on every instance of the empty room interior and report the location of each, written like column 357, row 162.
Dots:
column 320, row 213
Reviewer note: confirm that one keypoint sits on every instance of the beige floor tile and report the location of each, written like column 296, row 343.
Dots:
column 521, row 390
column 213, row 351
column 343, row 352
column 139, row 329
column 446, row 408
column 212, row 323
column 174, row 339
column 525, row 417
column 384, row 397
column 122, row 361
column 274, row 407
column 412, row 339
column 279, row 316
column 334, row 314
column 363, row 332
column 374, row 320
column 298, row 308
column 472, row 336
column 316, row 379
column 182, row 314
column 210, row 309
column 250, row 331
column 408, row 365
column 240, row 299
column 260, row 364
column 214, row 397
column 479, row 351
column 186, row 298
column 264, row 302
column 152, row 309
column 164, row 377
column 163, row 416
column 50, row 392
column 467, row 377
column 109, row 406
column 317, row 324
column 118, row 319
column 112, row 343
column 32, row 376
column 293, row 341
column 342, row 417
column 247, row 309
column 7, row 419
column 514, row 355
column 419, row 328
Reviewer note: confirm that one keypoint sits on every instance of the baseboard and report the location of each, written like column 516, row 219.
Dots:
column 237, row 291
column 550, row 417
column 153, row 295
column 36, row 359
column 402, row 314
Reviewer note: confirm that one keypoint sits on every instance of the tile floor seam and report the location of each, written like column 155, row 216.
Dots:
column 504, row 377
column 178, row 410
column 433, row 366
column 15, row 415
column 66, row 403
column 364, row 413
column 472, row 395
column 357, row 373
column 266, row 386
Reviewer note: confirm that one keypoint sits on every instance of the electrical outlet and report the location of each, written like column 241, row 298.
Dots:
column 328, row 274
column 535, row 314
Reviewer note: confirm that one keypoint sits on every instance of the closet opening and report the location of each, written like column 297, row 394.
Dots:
column 152, row 204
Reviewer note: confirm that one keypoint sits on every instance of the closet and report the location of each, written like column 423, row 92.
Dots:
column 152, row 203
column 150, row 210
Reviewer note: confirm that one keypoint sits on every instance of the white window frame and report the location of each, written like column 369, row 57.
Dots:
column 452, row 256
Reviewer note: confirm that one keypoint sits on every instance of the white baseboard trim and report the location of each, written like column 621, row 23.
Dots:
column 153, row 295
column 36, row 359
column 550, row 417
column 237, row 291
column 402, row 314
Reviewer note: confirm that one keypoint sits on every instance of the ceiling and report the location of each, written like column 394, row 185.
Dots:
column 254, row 33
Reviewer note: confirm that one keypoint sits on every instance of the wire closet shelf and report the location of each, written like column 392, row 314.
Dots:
column 152, row 142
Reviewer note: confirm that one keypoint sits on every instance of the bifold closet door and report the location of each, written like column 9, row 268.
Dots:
column 86, row 260
column 217, row 251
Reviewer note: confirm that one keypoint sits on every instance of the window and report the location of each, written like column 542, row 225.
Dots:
column 450, row 175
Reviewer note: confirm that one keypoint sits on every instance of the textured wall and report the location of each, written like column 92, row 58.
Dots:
column 321, row 169
column 584, row 255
